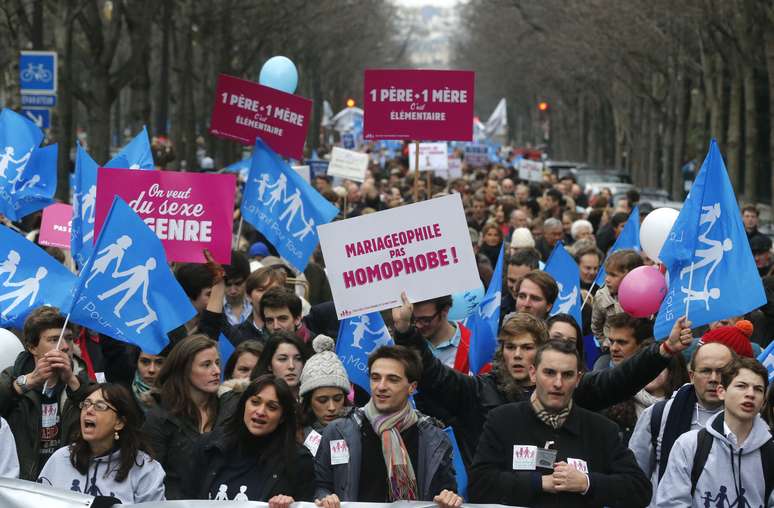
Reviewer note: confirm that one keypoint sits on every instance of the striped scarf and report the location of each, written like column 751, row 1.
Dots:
column 402, row 481
column 553, row 420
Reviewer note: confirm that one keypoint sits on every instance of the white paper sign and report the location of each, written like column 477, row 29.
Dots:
column 339, row 452
column 578, row 464
column 312, row 442
column 453, row 171
column 348, row 164
column 304, row 172
column 532, row 171
column 423, row 249
column 524, row 457
column 432, row 156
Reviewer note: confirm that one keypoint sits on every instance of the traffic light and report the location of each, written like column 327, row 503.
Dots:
column 543, row 106
column 350, row 103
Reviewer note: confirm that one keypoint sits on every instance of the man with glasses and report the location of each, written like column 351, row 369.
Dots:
column 430, row 318
column 659, row 426
column 42, row 420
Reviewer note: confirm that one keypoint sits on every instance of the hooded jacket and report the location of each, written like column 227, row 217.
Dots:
column 23, row 413
column 434, row 470
column 145, row 481
column 732, row 475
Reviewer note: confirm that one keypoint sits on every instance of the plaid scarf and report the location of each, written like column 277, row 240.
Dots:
column 553, row 420
column 402, row 481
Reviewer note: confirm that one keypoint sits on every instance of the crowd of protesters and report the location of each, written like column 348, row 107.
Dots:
column 597, row 413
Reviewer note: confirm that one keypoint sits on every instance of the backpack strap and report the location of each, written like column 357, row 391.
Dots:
column 703, row 446
column 767, row 462
column 656, row 415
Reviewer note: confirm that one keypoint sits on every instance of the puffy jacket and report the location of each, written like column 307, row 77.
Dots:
column 434, row 470
column 23, row 413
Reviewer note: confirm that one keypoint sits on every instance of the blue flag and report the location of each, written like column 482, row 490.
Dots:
column 484, row 320
column 84, row 206
column 30, row 278
column 459, row 466
column 226, row 349
column 137, row 154
column 27, row 172
column 711, row 270
column 563, row 268
column 767, row 359
column 628, row 239
column 126, row 289
column 282, row 206
column 242, row 168
column 359, row 336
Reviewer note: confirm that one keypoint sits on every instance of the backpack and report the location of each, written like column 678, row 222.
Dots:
column 703, row 446
column 656, row 414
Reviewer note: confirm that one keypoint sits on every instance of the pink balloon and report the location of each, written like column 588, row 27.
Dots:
column 641, row 291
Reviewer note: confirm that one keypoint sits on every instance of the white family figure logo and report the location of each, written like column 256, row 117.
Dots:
column 10, row 265
column 294, row 202
column 567, row 300
column 88, row 207
column 136, row 278
column 382, row 335
column 708, row 257
column 5, row 161
column 27, row 288
column 488, row 308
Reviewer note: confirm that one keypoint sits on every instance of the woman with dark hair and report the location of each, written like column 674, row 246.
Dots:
column 146, row 370
column 243, row 360
column 563, row 326
column 324, row 389
column 187, row 406
column 284, row 355
column 109, row 457
column 255, row 456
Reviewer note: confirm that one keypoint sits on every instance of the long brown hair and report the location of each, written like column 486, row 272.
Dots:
column 174, row 379
column 131, row 441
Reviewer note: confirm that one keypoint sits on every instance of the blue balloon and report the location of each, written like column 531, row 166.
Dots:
column 465, row 302
column 279, row 72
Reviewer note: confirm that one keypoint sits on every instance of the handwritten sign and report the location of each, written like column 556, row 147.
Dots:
column 244, row 110
column 418, row 104
column 348, row 164
column 188, row 211
column 422, row 248
column 55, row 226
column 432, row 157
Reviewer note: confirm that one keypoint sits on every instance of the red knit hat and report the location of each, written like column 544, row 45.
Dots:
column 736, row 337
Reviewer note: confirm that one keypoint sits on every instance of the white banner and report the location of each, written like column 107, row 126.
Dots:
column 532, row 171
column 432, row 157
column 348, row 164
column 423, row 249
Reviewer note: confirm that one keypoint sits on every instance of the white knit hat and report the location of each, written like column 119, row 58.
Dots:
column 323, row 369
column 521, row 238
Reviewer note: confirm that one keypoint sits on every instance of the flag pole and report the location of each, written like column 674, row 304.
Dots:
column 429, row 183
column 238, row 233
column 416, row 171
column 690, row 288
column 588, row 294
column 58, row 344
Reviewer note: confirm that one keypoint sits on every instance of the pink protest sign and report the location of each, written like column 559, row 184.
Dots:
column 55, row 226
column 418, row 104
column 189, row 212
column 244, row 110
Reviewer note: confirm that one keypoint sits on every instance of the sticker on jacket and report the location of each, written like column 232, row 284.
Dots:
column 339, row 452
column 524, row 457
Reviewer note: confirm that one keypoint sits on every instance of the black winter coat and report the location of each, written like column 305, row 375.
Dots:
column 212, row 324
column 210, row 456
column 470, row 398
column 615, row 479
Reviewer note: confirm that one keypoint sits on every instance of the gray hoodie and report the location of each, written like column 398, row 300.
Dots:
column 9, row 461
column 732, row 476
column 145, row 481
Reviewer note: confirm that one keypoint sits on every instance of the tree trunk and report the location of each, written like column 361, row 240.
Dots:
column 769, row 47
column 65, row 111
column 750, row 136
column 681, row 120
column 162, row 105
column 733, row 139
column 99, row 117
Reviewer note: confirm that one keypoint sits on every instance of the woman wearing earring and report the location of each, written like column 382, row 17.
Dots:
column 255, row 456
column 187, row 406
column 109, row 456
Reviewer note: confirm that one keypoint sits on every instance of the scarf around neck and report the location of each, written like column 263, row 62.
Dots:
column 553, row 420
column 139, row 386
column 402, row 481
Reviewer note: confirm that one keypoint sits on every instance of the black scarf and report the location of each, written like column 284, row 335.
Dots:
column 678, row 423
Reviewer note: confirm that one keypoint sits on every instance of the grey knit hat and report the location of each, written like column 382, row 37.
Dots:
column 324, row 368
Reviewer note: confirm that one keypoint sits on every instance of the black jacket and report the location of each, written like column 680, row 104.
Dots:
column 171, row 438
column 23, row 413
column 470, row 398
column 210, row 456
column 615, row 479
column 213, row 324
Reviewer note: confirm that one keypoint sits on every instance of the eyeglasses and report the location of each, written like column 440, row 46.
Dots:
column 100, row 406
column 424, row 320
column 707, row 372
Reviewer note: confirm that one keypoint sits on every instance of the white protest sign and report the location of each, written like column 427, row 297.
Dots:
column 348, row 164
column 423, row 249
column 432, row 156
column 532, row 171
column 304, row 172
column 454, row 170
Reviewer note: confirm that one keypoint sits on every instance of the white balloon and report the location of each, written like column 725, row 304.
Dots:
column 10, row 347
column 655, row 229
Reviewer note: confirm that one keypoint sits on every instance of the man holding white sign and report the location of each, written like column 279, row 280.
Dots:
column 423, row 249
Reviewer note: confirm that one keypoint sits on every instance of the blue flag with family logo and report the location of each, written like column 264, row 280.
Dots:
column 359, row 336
column 126, row 289
column 27, row 171
column 484, row 320
column 628, row 239
column 563, row 268
column 29, row 278
column 711, row 270
column 242, row 168
column 282, row 206
column 137, row 154
column 767, row 359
